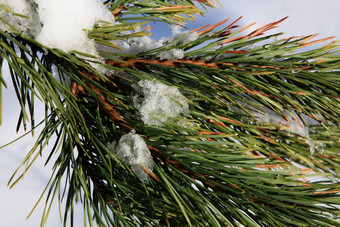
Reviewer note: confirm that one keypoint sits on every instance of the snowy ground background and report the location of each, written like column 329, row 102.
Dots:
column 306, row 17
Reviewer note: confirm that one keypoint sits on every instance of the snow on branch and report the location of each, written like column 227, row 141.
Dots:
column 21, row 16
column 172, row 54
column 133, row 151
column 56, row 23
column 136, row 45
column 64, row 23
column 289, row 121
column 158, row 103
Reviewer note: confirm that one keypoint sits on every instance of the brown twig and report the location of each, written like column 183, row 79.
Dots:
column 118, row 10
column 77, row 90
column 142, row 63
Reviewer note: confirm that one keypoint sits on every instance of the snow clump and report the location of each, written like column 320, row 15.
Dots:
column 133, row 151
column 138, row 45
column 28, row 23
column 64, row 23
column 177, row 33
column 173, row 54
column 159, row 103
column 57, row 23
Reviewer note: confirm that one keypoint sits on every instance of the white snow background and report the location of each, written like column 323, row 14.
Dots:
column 306, row 17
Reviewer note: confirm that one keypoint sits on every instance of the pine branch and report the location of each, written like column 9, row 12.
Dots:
column 240, row 154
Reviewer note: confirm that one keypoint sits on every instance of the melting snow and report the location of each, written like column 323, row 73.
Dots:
column 159, row 103
column 134, row 152
column 28, row 23
column 57, row 23
column 172, row 54
column 65, row 23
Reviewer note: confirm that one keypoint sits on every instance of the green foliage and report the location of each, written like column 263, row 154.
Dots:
column 225, row 169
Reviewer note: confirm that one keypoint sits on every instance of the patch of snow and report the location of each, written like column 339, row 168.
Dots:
column 64, row 23
column 177, row 33
column 191, row 37
column 133, row 151
column 142, row 44
column 138, row 45
column 131, row 46
column 173, row 54
column 112, row 146
column 292, row 126
column 289, row 125
column 61, row 24
column 159, row 103
column 28, row 25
